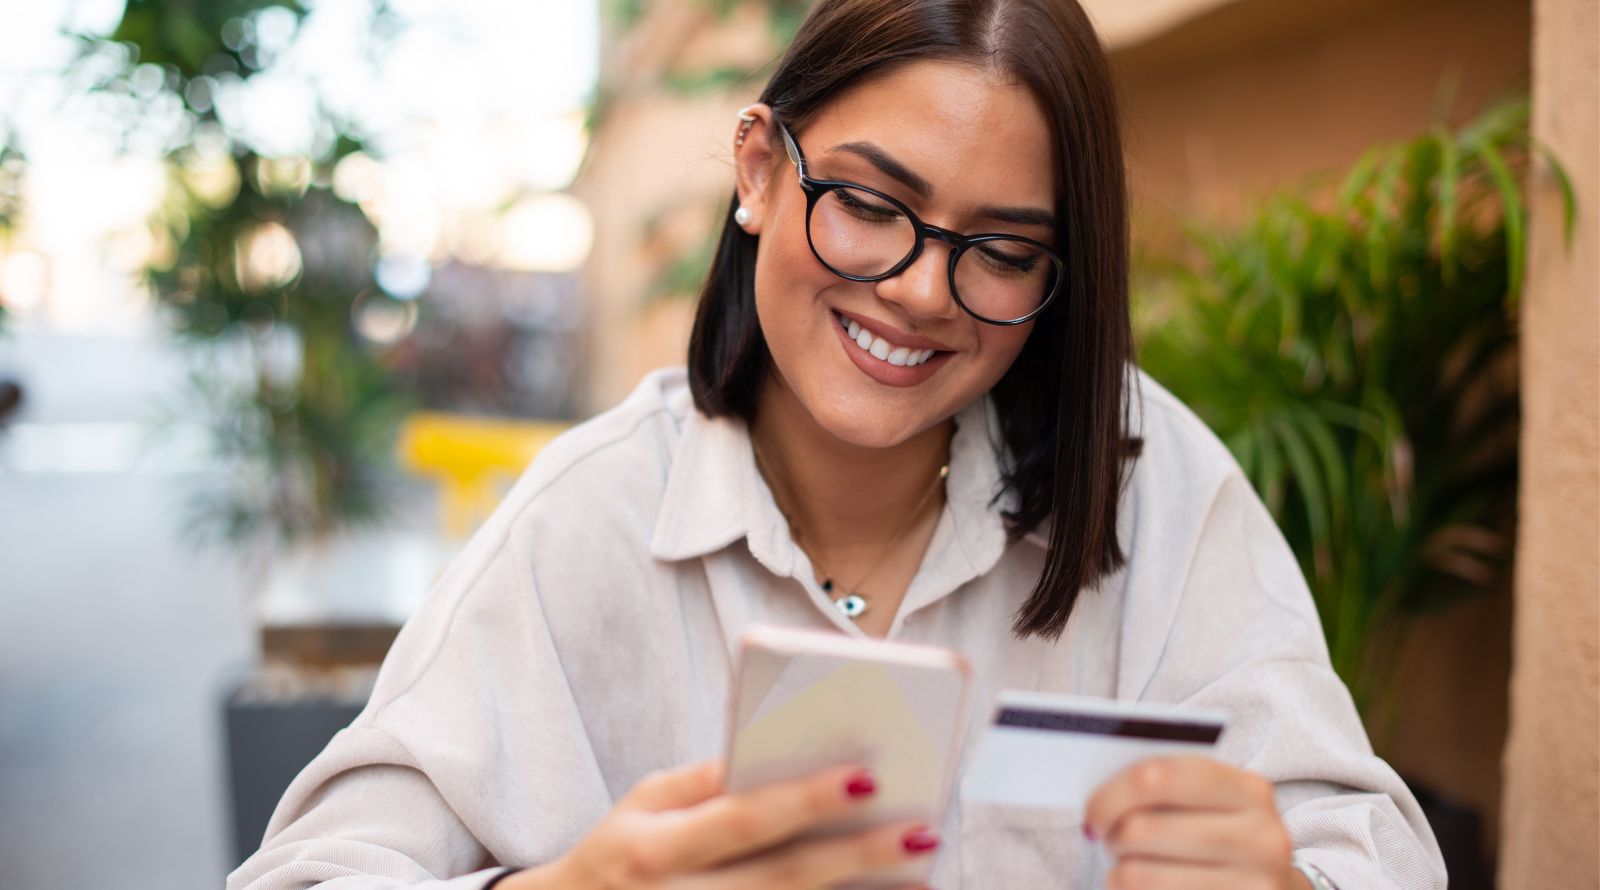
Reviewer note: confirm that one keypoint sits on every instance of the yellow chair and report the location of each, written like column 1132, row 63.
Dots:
column 473, row 460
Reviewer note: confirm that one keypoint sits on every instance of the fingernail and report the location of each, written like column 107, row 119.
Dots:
column 1088, row 833
column 860, row 785
column 921, row 840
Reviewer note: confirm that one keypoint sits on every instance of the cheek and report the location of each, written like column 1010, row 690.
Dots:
column 786, row 256
column 788, row 281
column 998, row 348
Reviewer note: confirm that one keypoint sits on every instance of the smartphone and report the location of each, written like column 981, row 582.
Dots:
column 807, row 700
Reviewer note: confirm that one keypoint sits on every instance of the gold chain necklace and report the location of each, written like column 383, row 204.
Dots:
column 853, row 604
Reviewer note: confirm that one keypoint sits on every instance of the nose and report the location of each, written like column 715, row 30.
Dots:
column 922, row 289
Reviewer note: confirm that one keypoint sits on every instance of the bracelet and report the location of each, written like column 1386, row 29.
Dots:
column 1319, row 881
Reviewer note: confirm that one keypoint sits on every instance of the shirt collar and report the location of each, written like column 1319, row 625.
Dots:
column 715, row 495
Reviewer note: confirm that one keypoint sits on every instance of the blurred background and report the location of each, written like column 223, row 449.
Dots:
column 290, row 291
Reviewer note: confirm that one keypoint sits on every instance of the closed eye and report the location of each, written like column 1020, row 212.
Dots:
column 862, row 206
column 1007, row 261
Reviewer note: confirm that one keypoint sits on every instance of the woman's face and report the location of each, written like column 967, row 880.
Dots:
column 971, row 143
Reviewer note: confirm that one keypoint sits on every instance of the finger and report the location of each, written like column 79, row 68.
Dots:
column 1148, row 874
column 733, row 825
column 1175, row 782
column 670, row 789
column 1209, row 837
column 823, row 862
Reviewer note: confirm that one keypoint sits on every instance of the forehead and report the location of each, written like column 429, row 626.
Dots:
column 976, row 136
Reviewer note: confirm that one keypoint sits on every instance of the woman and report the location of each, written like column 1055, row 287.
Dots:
column 910, row 412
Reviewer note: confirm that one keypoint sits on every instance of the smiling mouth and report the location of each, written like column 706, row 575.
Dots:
column 881, row 349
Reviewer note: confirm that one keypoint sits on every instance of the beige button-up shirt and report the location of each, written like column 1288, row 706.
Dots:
column 587, row 634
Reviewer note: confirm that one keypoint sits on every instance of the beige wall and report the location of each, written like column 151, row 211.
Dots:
column 657, row 178
column 1260, row 94
column 654, row 181
column 1551, row 826
column 1120, row 23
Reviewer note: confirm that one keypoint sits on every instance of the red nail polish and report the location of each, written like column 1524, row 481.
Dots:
column 860, row 785
column 921, row 840
column 1088, row 833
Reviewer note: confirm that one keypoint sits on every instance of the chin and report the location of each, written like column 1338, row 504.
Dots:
column 866, row 423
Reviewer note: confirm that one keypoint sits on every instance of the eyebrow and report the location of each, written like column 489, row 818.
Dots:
column 888, row 165
column 1022, row 216
column 1027, row 216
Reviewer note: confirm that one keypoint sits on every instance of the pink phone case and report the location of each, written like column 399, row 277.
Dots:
column 806, row 700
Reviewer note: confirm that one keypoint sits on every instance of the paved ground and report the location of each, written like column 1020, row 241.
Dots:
column 117, row 638
column 115, row 644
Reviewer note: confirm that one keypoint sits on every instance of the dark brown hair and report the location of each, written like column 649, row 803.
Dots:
column 1063, row 404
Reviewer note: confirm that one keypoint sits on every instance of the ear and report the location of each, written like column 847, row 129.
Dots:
column 754, row 159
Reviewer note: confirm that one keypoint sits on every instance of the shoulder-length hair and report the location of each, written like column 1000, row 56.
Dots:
column 1063, row 404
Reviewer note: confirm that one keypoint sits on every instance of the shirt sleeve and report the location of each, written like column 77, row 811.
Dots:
column 470, row 756
column 1244, row 637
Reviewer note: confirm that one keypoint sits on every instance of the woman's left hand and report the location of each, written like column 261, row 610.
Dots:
column 1192, row 822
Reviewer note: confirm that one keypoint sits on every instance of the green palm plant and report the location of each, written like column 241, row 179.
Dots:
column 308, row 436
column 1356, row 349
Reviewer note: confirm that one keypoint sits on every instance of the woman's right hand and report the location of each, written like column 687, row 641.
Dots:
column 677, row 829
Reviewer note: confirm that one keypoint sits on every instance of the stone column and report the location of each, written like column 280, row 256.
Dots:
column 1551, row 817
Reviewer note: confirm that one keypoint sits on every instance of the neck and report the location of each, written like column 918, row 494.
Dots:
column 847, row 499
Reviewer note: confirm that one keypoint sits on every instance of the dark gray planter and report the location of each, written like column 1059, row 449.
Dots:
column 269, row 740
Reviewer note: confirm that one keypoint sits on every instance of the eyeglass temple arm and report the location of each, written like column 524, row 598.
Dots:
column 795, row 158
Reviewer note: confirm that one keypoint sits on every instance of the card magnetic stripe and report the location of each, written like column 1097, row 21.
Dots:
column 1205, row 733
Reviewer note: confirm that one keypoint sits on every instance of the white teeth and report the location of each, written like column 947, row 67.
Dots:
column 881, row 349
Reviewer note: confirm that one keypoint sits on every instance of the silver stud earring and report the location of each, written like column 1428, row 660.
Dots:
column 742, row 216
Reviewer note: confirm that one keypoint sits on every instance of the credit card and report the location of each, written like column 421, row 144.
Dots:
column 1051, row 750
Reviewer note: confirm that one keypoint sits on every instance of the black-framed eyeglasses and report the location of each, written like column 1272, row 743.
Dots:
column 862, row 234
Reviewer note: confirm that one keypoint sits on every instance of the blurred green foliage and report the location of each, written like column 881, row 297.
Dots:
column 784, row 15
column 10, row 197
column 311, row 434
column 308, row 436
column 783, row 20
column 1357, row 352
column 10, row 186
column 188, row 35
